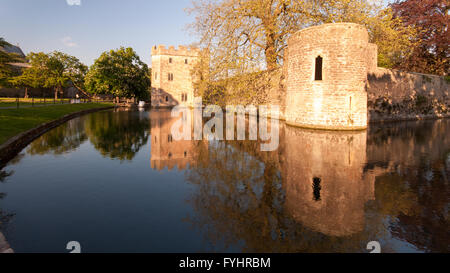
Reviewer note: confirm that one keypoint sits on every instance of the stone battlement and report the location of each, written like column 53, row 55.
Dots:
column 172, row 51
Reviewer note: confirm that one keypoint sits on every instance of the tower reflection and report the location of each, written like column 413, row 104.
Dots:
column 326, row 188
column 322, row 172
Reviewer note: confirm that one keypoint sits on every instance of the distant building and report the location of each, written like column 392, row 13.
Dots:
column 172, row 82
column 16, row 50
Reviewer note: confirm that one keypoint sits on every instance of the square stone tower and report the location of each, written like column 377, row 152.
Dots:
column 172, row 82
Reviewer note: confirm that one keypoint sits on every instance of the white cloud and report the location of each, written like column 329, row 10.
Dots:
column 67, row 41
column 73, row 2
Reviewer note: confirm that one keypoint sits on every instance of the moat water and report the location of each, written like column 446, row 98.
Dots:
column 116, row 182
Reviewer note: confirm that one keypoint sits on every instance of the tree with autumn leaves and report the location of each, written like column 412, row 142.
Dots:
column 431, row 19
column 243, row 37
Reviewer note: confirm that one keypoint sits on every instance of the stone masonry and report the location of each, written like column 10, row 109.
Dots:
column 327, row 74
column 172, row 82
column 330, row 80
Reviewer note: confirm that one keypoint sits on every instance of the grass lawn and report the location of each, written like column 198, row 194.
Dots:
column 11, row 102
column 16, row 121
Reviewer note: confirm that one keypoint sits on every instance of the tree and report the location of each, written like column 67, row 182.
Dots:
column 36, row 75
column 7, row 70
column 242, row 34
column 120, row 73
column 55, row 70
column 250, row 35
column 63, row 69
column 431, row 18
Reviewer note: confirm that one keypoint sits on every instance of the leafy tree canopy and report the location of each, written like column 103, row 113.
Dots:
column 250, row 35
column 431, row 18
column 55, row 70
column 120, row 73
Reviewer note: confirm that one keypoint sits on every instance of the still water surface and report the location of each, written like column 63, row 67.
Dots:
column 116, row 182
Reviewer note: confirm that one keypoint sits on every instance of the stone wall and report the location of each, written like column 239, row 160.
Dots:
column 352, row 92
column 395, row 95
column 264, row 88
column 177, row 88
column 391, row 95
column 336, row 99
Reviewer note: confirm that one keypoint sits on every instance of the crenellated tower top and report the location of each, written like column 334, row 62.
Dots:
column 172, row 51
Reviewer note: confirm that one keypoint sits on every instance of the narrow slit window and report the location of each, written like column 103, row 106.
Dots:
column 170, row 60
column 316, row 188
column 318, row 74
column 186, row 61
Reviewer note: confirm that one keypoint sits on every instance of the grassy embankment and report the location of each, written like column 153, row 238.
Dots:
column 16, row 121
column 12, row 102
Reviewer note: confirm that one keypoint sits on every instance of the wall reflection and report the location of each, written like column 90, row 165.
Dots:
column 322, row 171
column 165, row 151
column 324, row 179
column 320, row 191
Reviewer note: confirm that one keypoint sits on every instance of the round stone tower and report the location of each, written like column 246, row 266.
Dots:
column 326, row 82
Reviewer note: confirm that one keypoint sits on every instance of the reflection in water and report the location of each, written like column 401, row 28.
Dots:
column 325, row 186
column 166, row 152
column 321, row 191
column 63, row 139
column 4, row 216
column 118, row 135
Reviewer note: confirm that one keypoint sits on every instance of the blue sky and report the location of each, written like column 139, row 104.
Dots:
column 86, row 28
column 94, row 26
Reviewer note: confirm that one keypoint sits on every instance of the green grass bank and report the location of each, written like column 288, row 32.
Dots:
column 16, row 121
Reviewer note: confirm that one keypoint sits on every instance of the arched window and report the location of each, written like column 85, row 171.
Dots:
column 167, row 98
column 318, row 72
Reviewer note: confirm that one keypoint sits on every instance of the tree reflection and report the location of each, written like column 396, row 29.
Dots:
column 325, row 191
column 63, row 139
column 245, row 198
column 118, row 135
column 414, row 190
